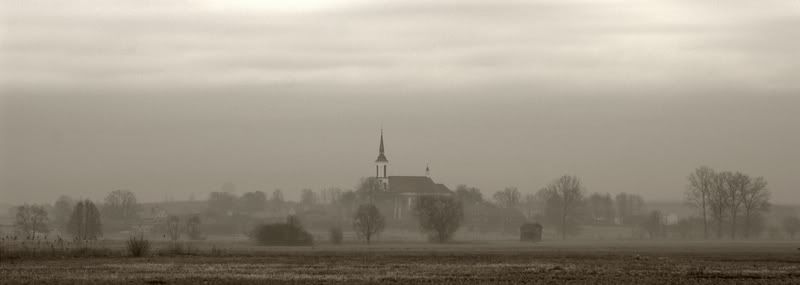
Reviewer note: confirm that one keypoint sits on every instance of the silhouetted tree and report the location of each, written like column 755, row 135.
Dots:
column 62, row 209
column 173, row 228
column 630, row 208
column 120, row 205
column 600, row 208
column 698, row 193
column 84, row 223
column 439, row 216
column 755, row 200
column 31, row 219
column 718, row 201
column 736, row 185
column 654, row 225
column 368, row 222
column 252, row 202
column 530, row 204
column 563, row 199
column 193, row 228
column 508, row 198
column 368, row 189
column 468, row 195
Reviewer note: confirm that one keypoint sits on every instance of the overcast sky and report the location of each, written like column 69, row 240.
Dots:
column 169, row 98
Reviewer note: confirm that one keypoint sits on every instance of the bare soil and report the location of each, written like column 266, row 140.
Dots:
column 617, row 262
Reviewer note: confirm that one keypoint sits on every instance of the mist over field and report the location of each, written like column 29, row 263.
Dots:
column 403, row 142
column 174, row 98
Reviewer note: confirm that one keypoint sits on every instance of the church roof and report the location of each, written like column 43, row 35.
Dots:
column 416, row 184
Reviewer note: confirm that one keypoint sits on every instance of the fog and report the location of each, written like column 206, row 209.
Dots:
column 174, row 98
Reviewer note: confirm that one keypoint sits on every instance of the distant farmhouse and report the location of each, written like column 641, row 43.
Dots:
column 403, row 191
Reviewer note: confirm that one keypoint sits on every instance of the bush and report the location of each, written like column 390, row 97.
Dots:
column 281, row 234
column 439, row 216
column 336, row 235
column 138, row 247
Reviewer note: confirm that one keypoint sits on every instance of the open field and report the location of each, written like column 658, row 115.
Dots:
column 610, row 262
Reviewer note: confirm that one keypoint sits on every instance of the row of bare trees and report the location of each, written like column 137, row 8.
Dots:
column 727, row 200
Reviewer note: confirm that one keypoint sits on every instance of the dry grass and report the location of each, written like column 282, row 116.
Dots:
column 665, row 262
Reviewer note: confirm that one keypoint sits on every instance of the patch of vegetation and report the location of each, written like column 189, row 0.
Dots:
column 138, row 247
column 290, row 233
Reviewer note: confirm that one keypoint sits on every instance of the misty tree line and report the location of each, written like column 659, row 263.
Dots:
column 562, row 204
column 729, row 203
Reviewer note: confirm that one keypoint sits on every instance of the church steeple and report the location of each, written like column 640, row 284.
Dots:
column 381, row 156
column 382, row 164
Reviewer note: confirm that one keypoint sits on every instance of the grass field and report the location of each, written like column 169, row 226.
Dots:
column 607, row 262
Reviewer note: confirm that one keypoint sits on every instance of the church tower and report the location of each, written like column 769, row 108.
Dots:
column 381, row 167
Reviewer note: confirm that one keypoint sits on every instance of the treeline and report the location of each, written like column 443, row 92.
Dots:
column 562, row 204
column 728, row 203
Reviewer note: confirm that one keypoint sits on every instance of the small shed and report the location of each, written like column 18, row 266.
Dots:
column 530, row 232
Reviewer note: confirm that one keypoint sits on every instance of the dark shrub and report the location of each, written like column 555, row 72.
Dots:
column 336, row 235
column 138, row 247
column 281, row 234
column 530, row 232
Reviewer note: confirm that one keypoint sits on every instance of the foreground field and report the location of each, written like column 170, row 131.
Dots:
column 477, row 263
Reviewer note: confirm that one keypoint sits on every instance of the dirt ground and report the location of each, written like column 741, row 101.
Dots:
column 617, row 262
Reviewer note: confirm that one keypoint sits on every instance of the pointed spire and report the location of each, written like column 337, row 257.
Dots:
column 381, row 156
column 428, row 169
column 380, row 150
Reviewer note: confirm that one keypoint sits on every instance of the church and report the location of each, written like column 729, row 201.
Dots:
column 402, row 191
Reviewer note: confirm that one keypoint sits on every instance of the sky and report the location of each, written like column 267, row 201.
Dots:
column 171, row 99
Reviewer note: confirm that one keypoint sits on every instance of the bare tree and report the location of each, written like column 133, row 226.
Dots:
column 718, row 201
column 736, row 185
column 601, row 208
column 468, row 195
column 368, row 222
column 508, row 198
column 630, row 208
column 31, row 219
column 654, row 225
column 530, row 204
column 61, row 212
column 120, row 205
column 193, row 228
column 368, row 189
column 439, row 216
column 173, row 228
column 564, row 197
column 755, row 199
column 698, row 191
